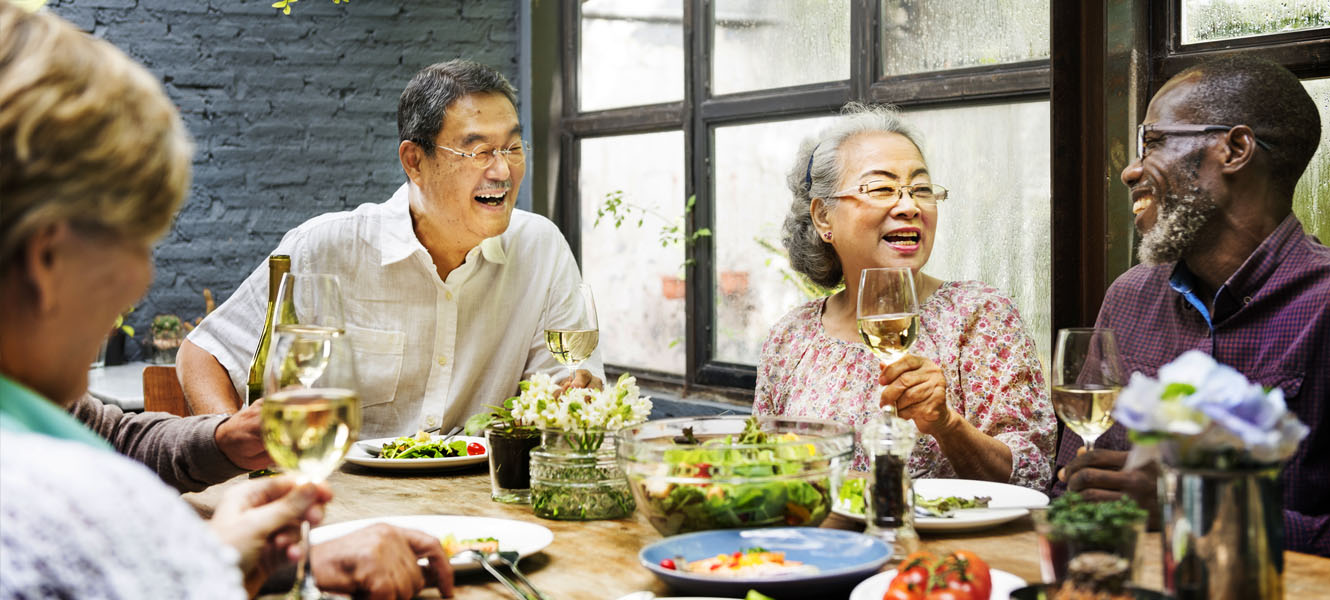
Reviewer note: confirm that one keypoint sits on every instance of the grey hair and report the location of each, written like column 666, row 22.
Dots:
column 424, row 103
column 816, row 172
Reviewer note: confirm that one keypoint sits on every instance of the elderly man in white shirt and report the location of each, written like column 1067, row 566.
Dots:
column 447, row 287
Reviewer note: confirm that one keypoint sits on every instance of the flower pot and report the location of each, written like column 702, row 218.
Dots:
column 733, row 283
column 1058, row 544
column 510, row 463
column 673, row 288
column 1223, row 533
column 575, row 476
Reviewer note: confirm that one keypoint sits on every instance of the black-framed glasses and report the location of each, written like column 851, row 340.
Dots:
column 483, row 156
column 1157, row 133
column 883, row 191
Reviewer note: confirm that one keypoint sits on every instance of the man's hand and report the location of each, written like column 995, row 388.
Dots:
column 380, row 562
column 1098, row 476
column 918, row 390
column 261, row 520
column 582, row 379
column 241, row 440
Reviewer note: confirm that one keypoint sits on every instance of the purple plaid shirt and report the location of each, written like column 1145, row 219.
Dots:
column 1271, row 322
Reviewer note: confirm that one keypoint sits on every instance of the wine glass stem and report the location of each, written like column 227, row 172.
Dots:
column 1089, row 442
column 305, row 589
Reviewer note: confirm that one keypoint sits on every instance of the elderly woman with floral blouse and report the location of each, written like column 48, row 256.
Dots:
column 972, row 383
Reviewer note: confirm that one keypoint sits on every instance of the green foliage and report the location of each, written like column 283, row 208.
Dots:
column 1093, row 524
column 672, row 231
column 163, row 324
column 285, row 5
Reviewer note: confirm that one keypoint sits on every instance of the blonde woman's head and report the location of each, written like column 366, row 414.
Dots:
column 87, row 137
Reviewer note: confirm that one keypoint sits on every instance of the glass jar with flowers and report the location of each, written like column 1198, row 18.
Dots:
column 1221, row 441
column 575, row 474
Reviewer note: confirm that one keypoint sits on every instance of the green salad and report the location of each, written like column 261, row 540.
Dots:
column 851, row 500
column 411, row 447
column 752, row 480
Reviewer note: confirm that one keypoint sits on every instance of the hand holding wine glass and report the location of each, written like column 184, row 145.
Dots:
column 311, row 407
column 573, row 340
column 1087, row 376
column 888, row 312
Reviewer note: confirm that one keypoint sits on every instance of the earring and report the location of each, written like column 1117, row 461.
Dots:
column 826, row 235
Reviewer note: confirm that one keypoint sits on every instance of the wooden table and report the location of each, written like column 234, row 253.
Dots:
column 598, row 559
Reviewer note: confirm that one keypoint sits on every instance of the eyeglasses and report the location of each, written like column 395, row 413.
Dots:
column 879, row 190
column 1160, row 131
column 483, row 156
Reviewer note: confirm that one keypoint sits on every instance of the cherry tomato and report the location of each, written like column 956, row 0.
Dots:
column 666, row 563
column 475, row 448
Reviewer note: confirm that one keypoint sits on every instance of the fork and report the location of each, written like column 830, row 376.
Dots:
column 476, row 556
column 510, row 558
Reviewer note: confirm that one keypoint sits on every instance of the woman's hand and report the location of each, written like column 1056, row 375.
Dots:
column 261, row 520
column 918, row 390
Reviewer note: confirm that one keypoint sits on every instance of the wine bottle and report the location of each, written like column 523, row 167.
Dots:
column 278, row 265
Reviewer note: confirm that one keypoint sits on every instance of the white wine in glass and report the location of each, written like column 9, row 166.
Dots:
column 573, row 342
column 888, row 312
column 311, row 406
column 1087, row 377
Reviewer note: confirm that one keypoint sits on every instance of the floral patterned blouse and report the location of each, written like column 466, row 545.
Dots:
column 974, row 334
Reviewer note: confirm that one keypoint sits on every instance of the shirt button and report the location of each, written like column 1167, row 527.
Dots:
column 443, row 360
column 431, row 421
column 1246, row 300
column 447, row 295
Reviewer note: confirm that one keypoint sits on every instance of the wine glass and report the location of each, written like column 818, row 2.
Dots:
column 311, row 406
column 888, row 312
column 576, row 338
column 1087, row 376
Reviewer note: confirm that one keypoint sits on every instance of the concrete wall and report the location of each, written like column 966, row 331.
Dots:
column 292, row 115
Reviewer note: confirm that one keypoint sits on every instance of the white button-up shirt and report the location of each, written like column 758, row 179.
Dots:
column 429, row 352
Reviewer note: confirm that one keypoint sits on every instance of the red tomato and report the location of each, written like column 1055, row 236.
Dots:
column 964, row 572
column 911, row 581
column 948, row 594
column 475, row 448
column 666, row 563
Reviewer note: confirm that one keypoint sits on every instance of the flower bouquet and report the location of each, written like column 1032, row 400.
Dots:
column 1220, row 440
column 574, row 473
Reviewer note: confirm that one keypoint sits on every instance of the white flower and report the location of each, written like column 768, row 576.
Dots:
column 580, row 408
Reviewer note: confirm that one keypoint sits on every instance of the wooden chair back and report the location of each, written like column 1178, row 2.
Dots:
column 161, row 391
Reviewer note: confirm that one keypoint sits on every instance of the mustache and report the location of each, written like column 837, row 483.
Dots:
column 504, row 186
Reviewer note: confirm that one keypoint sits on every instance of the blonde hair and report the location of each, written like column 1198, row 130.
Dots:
column 87, row 136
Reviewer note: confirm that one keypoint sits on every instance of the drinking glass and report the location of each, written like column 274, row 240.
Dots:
column 573, row 341
column 311, row 406
column 888, row 312
column 1087, row 376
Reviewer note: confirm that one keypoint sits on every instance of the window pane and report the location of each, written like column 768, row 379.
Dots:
column 934, row 35
column 636, row 278
column 1209, row 20
column 994, row 225
column 763, row 44
column 632, row 53
column 1311, row 199
column 755, row 285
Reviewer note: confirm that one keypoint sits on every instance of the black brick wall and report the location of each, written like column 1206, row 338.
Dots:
column 292, row 115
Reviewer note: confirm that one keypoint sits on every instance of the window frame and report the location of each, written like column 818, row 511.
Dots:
column 1092, row 238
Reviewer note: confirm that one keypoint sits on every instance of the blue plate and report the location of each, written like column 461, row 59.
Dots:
column 842, row 558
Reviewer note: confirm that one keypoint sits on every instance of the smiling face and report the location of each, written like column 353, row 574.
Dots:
column 1171, row 205
column 867, row 233
column 470, row 202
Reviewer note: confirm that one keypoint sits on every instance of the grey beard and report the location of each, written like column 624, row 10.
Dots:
column 1181, row 219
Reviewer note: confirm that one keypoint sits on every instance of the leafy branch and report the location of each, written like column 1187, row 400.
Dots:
column 781, row 262
column 672, row 231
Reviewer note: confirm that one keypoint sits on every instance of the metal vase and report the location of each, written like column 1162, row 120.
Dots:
column 1223, row 533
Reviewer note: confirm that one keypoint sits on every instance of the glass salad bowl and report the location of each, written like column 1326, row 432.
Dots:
column 699, row 473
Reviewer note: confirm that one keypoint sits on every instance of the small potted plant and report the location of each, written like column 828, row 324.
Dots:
column 1072, row 526
column 167, row 335
column 510, row 443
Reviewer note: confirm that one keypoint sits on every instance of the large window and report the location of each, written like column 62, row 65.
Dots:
column 677, row 120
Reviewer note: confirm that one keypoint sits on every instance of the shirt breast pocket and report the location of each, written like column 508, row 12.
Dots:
column 378, row 362
column 1289, row 381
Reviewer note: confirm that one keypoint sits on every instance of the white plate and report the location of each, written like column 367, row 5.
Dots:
column 874, row 587
column 519, row 536
column 1009, row 502
column 358, row 456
